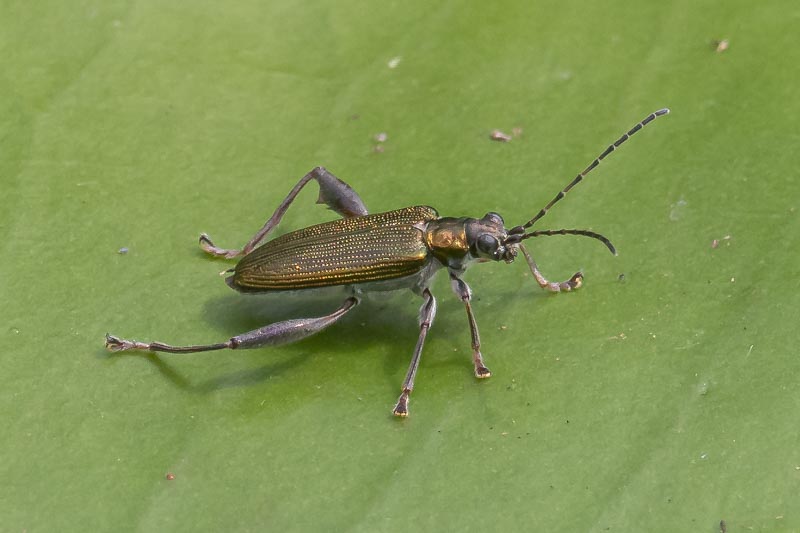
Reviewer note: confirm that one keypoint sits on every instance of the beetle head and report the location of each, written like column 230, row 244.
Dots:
column 487, row 238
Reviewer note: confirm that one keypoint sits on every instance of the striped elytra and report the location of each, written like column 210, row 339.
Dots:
column 376, row 247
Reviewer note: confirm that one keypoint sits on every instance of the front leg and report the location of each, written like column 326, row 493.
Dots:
column 571, row 284
column 463, row 291
column 333, row 192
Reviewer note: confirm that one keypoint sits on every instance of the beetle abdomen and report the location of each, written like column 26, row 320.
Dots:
column 376, row 247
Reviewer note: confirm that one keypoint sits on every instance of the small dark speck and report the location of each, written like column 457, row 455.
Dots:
column 122, row 251
column 723, row 527
column 621, row 277
column 567, row 421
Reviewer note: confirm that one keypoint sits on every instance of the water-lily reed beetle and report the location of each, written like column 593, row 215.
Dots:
column 398, row 249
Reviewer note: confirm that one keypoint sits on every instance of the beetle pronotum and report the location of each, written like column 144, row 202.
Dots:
column 398, row 249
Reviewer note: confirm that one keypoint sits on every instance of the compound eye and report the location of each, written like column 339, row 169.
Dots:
column 487, row 244
column 494, row 218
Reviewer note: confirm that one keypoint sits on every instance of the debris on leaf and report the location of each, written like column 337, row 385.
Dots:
column 498, row 135
column 716, row 242
column 379, row 138
column 720, row 45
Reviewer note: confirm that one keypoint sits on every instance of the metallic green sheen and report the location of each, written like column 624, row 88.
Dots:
column 376, row 247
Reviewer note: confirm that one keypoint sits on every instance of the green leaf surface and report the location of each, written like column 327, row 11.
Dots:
column 662, row 396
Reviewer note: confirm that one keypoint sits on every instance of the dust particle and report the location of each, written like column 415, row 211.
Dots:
column 498, row 135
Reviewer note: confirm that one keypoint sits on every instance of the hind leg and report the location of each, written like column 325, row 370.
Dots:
column 333, row 192
column 272, row 335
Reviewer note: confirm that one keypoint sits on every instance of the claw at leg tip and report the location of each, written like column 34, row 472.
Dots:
column 483, row 373
column 401, row 407
column 576, row 280
column 114, row 344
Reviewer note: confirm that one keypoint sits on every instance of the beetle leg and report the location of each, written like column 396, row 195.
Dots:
column 272, row 335
column 571, row 284
column 426, row 314
column 333, row 192
column 463, row 291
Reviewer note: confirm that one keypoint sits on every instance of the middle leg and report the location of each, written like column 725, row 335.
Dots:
column 463, row 291
column 426, row 314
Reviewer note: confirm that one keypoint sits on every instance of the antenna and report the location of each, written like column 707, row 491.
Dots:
column 651, row 117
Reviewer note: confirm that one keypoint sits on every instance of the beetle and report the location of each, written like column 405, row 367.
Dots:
column 397, row 249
